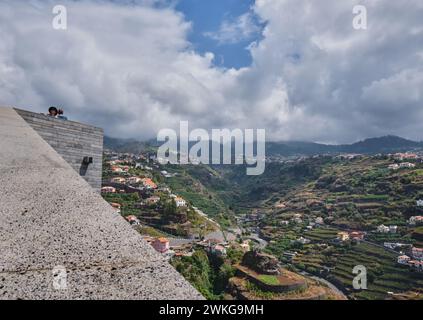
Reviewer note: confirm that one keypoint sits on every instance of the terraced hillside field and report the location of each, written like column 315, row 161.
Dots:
column 384, row 274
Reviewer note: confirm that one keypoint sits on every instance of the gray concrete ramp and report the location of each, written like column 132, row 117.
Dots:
column 60, row 240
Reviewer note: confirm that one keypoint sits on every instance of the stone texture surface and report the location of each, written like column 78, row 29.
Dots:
column 50, row 217
column 73, row 141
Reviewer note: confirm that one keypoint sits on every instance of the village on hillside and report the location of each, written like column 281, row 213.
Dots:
column 136, row 188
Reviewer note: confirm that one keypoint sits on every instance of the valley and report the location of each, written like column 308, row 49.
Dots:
column 319, row 216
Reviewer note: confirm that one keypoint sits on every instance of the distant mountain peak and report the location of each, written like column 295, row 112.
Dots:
column 385, row 142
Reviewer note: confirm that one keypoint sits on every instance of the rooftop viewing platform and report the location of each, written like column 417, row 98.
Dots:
column 54, row 224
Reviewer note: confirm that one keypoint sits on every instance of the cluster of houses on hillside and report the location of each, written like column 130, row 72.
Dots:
column 402, row 165
column 387, row 229
column 410, row 156
column 152, row 200
column 352, row 235
column 123, row 182
column 397, row 245
column 214, row 247
column 143, row 184
column 165, row 247
column 415, row 261
column 403, row 157
column 349, row 156
column 119, row 169
column 219, row 248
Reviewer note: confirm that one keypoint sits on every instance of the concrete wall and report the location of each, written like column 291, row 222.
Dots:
column 73, row 141
column 53, row 223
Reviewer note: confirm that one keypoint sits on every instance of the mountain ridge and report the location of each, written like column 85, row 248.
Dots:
column 383, row 144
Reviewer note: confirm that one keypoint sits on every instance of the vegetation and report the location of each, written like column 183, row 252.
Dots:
column 199, row 185
column 127, row 201
column 259, row 292
column 208, row 274
column 268, row 279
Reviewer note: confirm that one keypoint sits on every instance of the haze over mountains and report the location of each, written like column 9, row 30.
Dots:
column 386, row 144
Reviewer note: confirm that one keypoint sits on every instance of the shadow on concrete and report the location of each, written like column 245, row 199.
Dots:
column 83, row 169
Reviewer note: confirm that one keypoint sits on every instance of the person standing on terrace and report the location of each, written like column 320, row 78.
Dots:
column 56, row 113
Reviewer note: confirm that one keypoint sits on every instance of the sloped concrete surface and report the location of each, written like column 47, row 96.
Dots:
column 50, row 217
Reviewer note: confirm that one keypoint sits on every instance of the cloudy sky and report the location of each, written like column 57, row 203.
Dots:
column 296, row 68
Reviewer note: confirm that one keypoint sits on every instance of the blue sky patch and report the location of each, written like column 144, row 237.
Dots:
column 223, row 27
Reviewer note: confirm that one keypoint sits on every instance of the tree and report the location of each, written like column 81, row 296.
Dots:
column 235, row 255
column 135, row 197
column 226, row 271
column 170, row 209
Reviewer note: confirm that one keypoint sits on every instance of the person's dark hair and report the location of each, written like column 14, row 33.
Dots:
column 52, row 109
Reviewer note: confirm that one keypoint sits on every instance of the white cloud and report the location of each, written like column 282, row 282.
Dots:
column 245, row 27
column 130, row 69
column 327, row 65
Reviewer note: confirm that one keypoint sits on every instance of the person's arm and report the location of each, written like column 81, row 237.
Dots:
column 60, row 115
